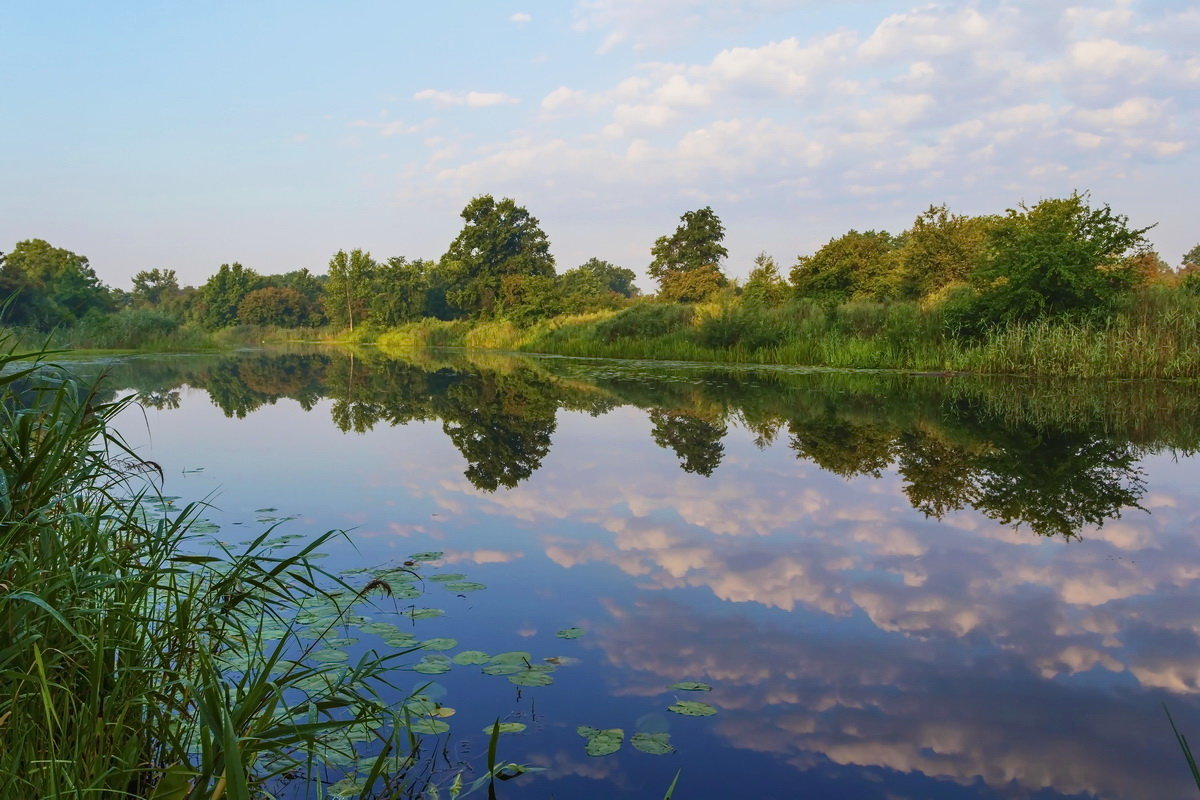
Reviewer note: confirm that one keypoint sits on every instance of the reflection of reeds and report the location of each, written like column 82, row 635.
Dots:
column 132, row 666
column 1187, row 750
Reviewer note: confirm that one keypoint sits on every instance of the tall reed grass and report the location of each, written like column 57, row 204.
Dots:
column 134, row 661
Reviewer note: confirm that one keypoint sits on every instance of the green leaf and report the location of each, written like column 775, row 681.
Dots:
column 431, row 667
column 531, row 678
column 464, row 586
column 507, row 727
column 570, row 633
column 430, row 726
column 691, row 686
column 656, row 744
column 601, row 742
column 432, row 555
column 447, row 577
column 692, row 708
column 440, row 644
column 329, row 656
column 425, row 613
column 472, row 657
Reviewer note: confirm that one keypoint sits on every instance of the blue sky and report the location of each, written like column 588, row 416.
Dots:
column 164, row 134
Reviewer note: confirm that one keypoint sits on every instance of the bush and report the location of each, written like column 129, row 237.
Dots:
column 645, row 321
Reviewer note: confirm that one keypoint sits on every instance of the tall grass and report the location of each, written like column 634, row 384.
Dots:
column 132, row 662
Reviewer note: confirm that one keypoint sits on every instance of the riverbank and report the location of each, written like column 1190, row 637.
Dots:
column 1155, row 334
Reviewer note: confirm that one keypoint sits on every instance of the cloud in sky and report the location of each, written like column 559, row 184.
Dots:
column 468, row 99
column 520, row 18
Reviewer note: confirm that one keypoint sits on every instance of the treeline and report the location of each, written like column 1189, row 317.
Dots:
column 948, row 275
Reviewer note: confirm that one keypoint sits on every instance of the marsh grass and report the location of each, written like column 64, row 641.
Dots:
column 134, row 662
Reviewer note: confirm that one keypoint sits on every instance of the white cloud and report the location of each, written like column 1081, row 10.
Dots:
column 520, row 18
column 468, row 99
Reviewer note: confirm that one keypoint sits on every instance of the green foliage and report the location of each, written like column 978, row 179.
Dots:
column 155, row 288
column 1057, row 257
column 695, row 247
column 498, row 239
column 765, row 286
column 645, row 320
column 349, row 288
column 49, row 286
column 853, row 266
column 939, row 249
column 274, row 305
column 525, row 299
column 594, row 285
column 401, row 289
column 217, row 305
column 1191, row 260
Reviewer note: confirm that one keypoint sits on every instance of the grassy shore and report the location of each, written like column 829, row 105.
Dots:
column 1154, row 334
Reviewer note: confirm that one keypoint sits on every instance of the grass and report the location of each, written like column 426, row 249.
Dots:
column 133, row 660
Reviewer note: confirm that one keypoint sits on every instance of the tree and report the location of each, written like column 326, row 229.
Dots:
column 497, row 239
column 687, row 264
column 765, row 287
column 49, row 286
column 853, row 266
column 350, row 287
column 155, row 287
column 1058, row 257
column 274, row 305
column 939, row 249
column 400, row 292
column 595, row 284
column 1191, row 261
column 223, row 293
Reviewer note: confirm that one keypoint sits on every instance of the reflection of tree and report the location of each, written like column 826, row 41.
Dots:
column 696, row 441
column 162, row 401
column 843, row 447
column 502, row 431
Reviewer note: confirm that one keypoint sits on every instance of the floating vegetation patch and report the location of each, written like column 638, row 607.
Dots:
column 601, row 742
column 464, row 586
column 505, row 727
column 692, row 708
column 448, row 577
column 570, row 633
column 656, row 744
column 440, row 644
column 691, row 686
column 531, row 677
column 329, row 656
column 470, row 657
column 432, row 555
column 424, row 613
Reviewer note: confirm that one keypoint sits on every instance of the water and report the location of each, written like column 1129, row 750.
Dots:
column 896, row 586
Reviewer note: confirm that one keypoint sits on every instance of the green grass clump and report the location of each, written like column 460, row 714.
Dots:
column 135, row 660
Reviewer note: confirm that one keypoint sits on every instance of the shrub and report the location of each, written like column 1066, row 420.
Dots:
column 644, row 321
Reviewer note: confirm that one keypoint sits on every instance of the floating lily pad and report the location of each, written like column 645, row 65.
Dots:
column 440, row 644
column 349, row 786
column 531, row 678
column 691, row 686
column 601, row 742
column 264, row 510
column 400, row 640
column 432, row 555
column 503, row 669
column 447, row 577
column 405, row 592
column 379, row 628
column 329, row 656
column 431, row 667
column 341, row 641
column 425, row 613
column 464, row 586
column 570, row 633
column 430, row 726
column 512, row 657
column 656, row 744
column 472, row 657
column 692, row 708
column 507, row 727
column 442, row 712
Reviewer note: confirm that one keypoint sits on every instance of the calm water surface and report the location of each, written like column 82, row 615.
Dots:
column 897, row 587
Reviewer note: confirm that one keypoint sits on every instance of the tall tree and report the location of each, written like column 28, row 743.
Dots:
column 765, row 286
column 155, row 287
column 223, row 293
column 400, row 291
column 687, row 264
column 941, row 248
column 49, row 286
column 498, row 239
column 349, row 288
column 855, row 265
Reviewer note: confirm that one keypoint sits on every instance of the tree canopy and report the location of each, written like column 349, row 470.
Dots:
column 49, row 286
column 687, row 264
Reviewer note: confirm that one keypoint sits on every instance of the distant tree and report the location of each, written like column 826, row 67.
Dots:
column 856, row 265
column 350, row 287
column 595, row 284
column 939, row 249
column 401, row 287
column 49, row 286
column 1191, row 260
column 497, row 239
column 1059, row 256
column 221, row 295
column 765, row 286
column 1149, row 269
column 525, row 299
column 155, row 287
column 687, row 264
column 274, row 305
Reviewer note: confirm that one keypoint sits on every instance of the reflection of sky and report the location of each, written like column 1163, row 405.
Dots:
column 839, row 626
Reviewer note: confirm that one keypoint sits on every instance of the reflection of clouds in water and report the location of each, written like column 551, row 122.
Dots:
column 482, row 556
column 899, row 703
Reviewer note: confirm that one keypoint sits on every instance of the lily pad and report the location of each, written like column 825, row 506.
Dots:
column 531, row 678
column 507, row 727
column 430, row 726
column 472, row 657
column 503, row 669
column 447, row 577
column 464, row 586
column 440, row 644
column 570, row 633
column 349, row 786
column 425, row 613
column 431, row 667
column 601, row 742
column 692, row 708
column 329, row 656
column 691, row 686
column 513, row 657
column 656, row 744
column 432, row 555
column 379, row 628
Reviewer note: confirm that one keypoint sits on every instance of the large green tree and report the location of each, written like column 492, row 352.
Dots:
column 350, row 287
column 595, row 284
column 1060, row 256
column 856, row 265
column 401, row 288
column 47, row 286
column 155, row 288
column 498, row 239
column 940, row 249
column 217, row 305
column 687, row 264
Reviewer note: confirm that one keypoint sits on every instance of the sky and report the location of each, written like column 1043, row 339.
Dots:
column 187, row 135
